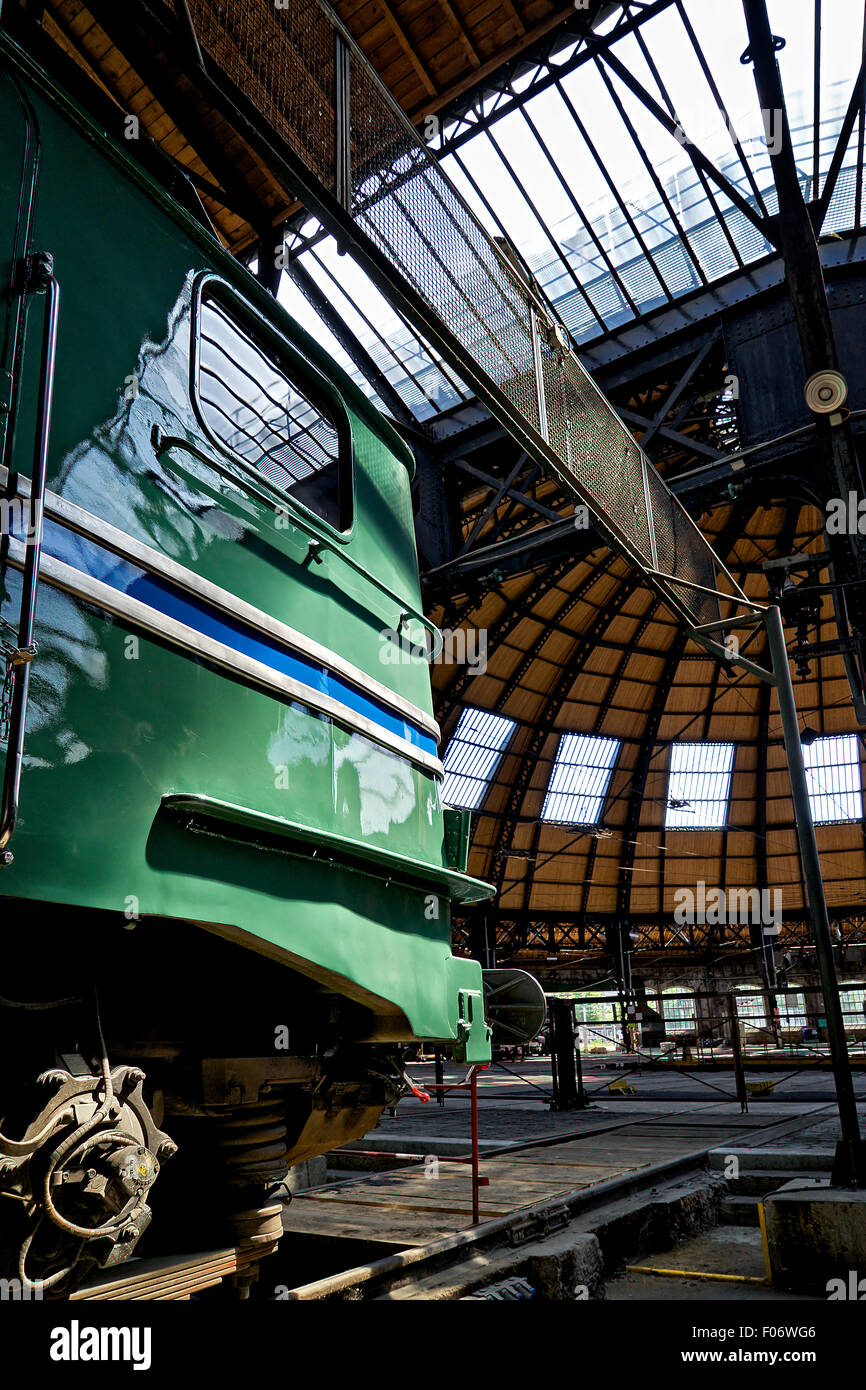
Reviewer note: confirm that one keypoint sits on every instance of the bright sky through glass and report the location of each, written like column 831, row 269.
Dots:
column 580, row 778
column 666, row 232
column 833, row 778
column 473, row 756
column 699, row 786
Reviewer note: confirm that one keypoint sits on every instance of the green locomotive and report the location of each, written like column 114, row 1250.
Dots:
column 226, row 867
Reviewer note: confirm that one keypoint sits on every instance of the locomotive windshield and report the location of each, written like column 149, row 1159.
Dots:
column 253, row 404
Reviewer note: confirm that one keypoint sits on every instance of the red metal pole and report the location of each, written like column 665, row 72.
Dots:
column 474, row 1110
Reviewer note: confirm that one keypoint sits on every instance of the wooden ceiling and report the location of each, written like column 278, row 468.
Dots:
column 581, row 647
column 142, row 80
column 429, row 52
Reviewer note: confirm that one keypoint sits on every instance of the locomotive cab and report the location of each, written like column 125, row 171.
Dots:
column 226, row 875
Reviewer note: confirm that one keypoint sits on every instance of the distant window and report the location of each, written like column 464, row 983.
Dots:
column 473, row 756
column 580, row 777
column 699, row 786
column 792, row 1010
column 853, row 1000
column 678, row 1009
column 599, row 1023
column 751, row 1007
column 260, row 406
column 833, row 778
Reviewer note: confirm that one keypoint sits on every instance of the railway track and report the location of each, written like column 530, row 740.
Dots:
column 180, row 1277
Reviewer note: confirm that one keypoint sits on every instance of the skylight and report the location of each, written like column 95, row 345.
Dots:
column 473, row 756
column 606, row 206
column 699, row 786
column 602, row 200
column 417, row 373
column 833, row 778
column 578, row 784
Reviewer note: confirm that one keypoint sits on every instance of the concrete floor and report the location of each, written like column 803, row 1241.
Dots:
column 392, row 1202
column 512, row 1106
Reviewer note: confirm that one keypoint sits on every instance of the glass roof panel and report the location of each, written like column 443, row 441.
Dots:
column 580, row 778
column 722, row 37
column 603, row 203
column 425, row 384
column 699, row 786
column 469, row 191
column 473, row 756
column 833, row 778
column 300, row 308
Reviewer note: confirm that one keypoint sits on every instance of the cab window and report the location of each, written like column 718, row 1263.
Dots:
column 259, row 406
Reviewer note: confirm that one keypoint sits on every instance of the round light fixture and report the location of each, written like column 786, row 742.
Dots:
column 825, row 392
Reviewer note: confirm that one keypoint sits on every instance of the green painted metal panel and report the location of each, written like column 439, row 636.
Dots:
column 118, row 720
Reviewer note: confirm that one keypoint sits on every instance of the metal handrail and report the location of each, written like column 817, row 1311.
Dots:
column 39, row 277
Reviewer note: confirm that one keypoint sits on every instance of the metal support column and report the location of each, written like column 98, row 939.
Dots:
column 737, row 1052
column 439, row 1073
column 849, row 1169
column 342, row 124
column 797, row 242
column 568, row 1092
column 476, row 1183
column 622, row 971
column 482, row 940
column 796, row 237
column 40, row 278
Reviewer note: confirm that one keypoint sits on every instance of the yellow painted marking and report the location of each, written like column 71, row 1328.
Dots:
column 695, row 1274
column 763, row 1223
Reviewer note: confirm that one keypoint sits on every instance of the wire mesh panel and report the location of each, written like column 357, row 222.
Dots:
column 283, row 60
column 682, row 551
column 404, row 203
column 586, row 433
column 391, row 202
